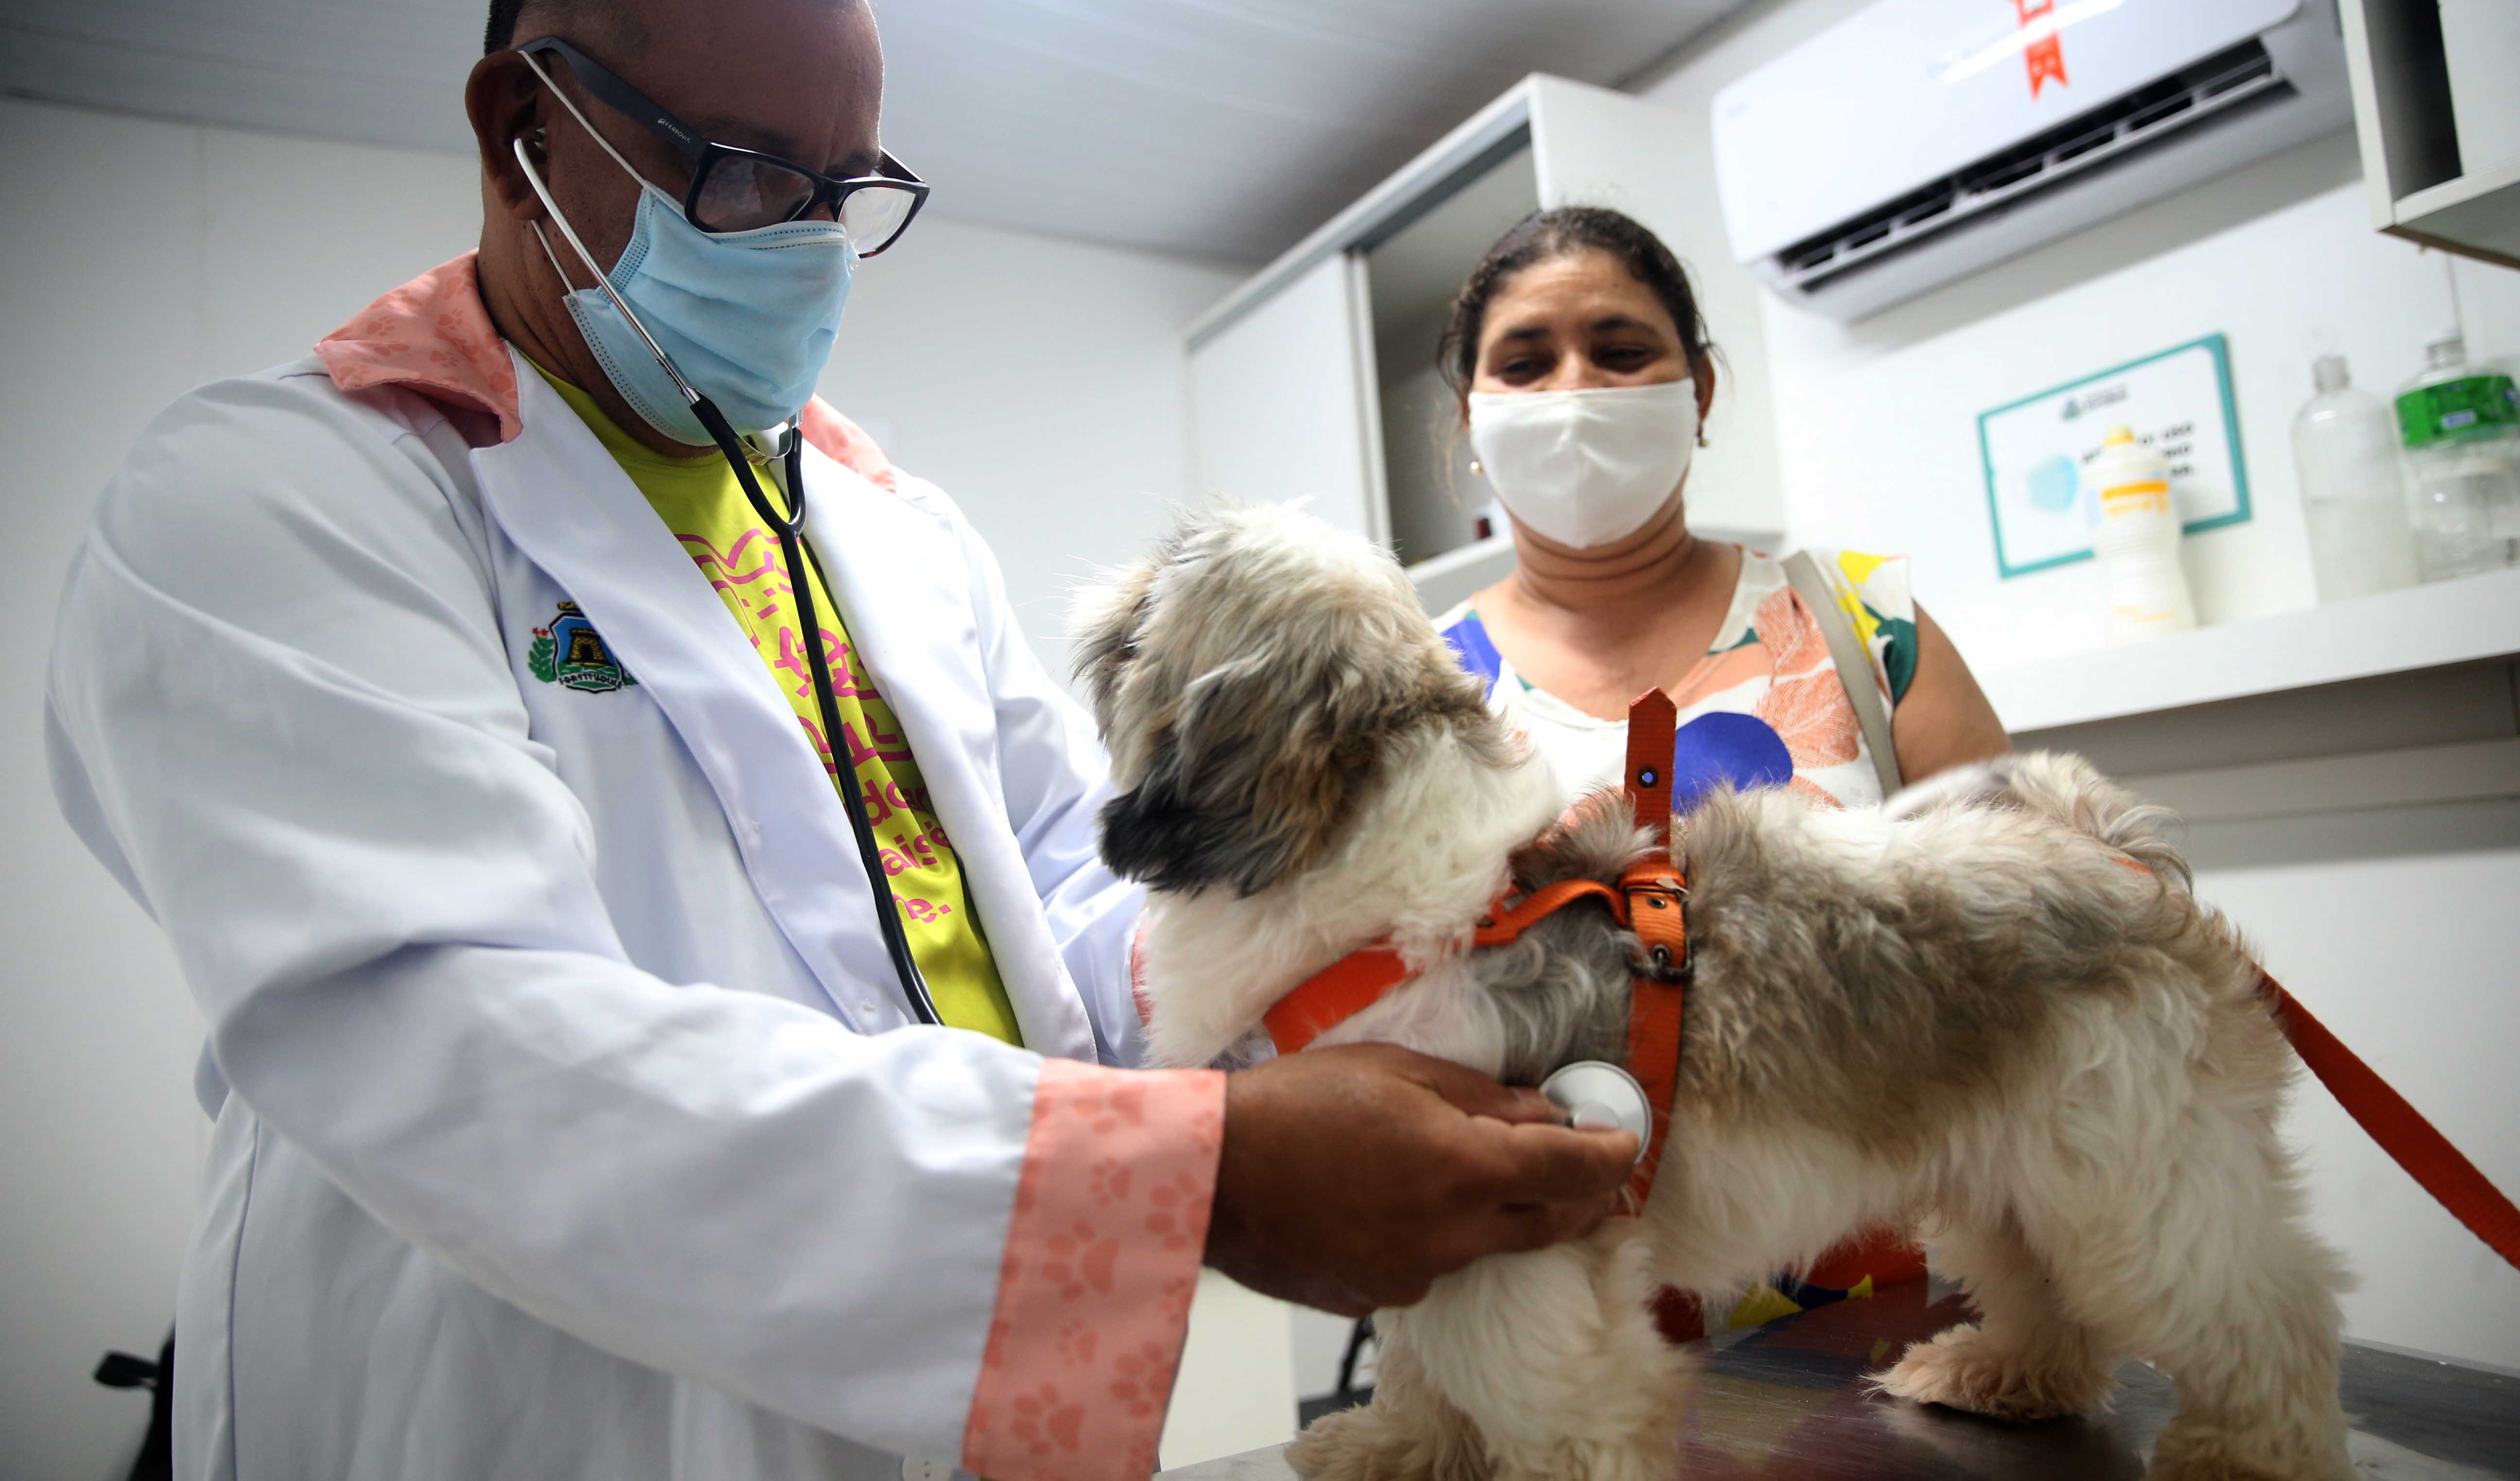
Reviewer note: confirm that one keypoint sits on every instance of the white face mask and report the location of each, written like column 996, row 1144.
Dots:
column 1585, row 467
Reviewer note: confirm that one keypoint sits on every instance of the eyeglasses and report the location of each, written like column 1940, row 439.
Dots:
column 737, row 190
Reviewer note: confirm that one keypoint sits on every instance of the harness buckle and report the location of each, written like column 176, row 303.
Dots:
column 1657, row 912
column 1660, row 966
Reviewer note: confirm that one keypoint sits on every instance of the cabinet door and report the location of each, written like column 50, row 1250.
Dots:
column 1594, row 147
column 1280, row 403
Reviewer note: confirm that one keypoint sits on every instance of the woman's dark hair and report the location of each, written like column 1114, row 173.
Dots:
column 1563, row 232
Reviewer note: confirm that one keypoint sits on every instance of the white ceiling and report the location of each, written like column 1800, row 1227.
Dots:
column 1220, row 128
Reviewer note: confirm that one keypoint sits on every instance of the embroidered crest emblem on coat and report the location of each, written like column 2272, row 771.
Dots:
column 572, row 653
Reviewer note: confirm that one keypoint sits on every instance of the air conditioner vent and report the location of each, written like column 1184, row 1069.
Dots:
column 2218, row 88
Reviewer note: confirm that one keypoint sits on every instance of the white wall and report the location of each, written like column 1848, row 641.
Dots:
column 2393, row 925
column 1236, row 1390
column 1041, row 382
column 136, row 259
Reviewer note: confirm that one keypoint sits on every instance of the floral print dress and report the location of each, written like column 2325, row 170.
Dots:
column 1763, row 707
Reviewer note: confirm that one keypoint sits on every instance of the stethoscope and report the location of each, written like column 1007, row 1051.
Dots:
column 1594, row 1092
column 788, row 448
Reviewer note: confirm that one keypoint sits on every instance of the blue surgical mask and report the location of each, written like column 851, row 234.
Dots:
column 747, row 317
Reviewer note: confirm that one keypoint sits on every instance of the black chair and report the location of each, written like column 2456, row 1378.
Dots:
column 157, row 1458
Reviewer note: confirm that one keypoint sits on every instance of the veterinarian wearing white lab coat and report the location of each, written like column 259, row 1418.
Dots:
column 569, row 1117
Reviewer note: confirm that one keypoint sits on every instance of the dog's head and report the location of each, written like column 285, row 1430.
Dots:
column 1249, row 680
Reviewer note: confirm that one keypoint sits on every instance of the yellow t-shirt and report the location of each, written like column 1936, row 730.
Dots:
column 703, row 504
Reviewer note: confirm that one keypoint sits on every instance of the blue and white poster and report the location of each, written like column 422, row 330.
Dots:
column 2035, row 451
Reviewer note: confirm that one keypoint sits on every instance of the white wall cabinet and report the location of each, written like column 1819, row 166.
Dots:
column 1275, row 405
column 1316, row 377
column 2433, row 84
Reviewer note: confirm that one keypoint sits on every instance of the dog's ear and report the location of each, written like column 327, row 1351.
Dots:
column 1251, row 683
column 1258, row 763
column 1261, row 761
column 1159, row 833
column 1266, row 757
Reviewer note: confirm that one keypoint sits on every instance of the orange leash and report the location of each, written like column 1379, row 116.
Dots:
column 2401, row 1131
column 2388, row 1118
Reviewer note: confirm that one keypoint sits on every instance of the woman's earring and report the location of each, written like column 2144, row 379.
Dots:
column 1701, row 436
column 1475, row 467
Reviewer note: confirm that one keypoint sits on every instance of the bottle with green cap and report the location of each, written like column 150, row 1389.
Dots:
column 2460, row 425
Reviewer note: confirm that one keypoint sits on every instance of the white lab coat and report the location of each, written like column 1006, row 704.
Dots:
column 505, row 1187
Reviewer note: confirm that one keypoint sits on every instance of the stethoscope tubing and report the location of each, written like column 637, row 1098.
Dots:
column 798, row 557
column 797, row 554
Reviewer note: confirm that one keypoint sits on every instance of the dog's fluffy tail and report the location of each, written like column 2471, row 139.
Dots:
column 2067, row 788
column 2072, row 790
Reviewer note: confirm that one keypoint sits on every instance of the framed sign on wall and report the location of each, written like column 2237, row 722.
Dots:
column 2035, row 450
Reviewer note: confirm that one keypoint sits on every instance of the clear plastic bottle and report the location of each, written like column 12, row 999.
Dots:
column 2345, row 449
column 2135, row 537
column 2461, row 430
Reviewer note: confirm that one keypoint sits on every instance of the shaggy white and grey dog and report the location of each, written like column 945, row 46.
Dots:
column 1963, row 1012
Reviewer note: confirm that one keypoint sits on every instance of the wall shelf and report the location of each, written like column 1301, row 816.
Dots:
column 2468, row 620
column 2425, row 182
column 2476, row 214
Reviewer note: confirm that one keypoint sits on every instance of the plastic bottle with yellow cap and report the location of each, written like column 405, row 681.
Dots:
column 2135, row 538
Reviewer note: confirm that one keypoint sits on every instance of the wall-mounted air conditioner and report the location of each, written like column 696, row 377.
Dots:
column 1918, row 140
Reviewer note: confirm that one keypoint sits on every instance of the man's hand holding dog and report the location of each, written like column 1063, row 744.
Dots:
column 1353, row 1176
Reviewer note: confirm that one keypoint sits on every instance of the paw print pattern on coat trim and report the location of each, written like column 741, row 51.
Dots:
column 1103, row 1255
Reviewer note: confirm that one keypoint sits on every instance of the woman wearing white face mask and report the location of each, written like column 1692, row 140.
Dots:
column 1586, row 375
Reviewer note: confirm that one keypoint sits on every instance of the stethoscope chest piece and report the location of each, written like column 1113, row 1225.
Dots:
column 1594, row 1092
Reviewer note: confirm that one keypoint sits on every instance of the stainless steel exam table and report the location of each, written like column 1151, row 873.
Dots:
column 1787, row 1403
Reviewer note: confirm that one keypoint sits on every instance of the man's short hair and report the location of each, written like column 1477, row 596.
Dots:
column 609, row 24
column 594, row 24
column 501, row 34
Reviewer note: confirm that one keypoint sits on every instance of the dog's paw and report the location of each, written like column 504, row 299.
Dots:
column 1962, row 1369
column 2209, row 1468
column 1336, row 1447
column 1633, row 1460
column 1375, row 1444
column 2197, row 1467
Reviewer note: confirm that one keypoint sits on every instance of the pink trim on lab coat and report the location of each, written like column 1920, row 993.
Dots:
column 1102, row 1257
column 433, row 336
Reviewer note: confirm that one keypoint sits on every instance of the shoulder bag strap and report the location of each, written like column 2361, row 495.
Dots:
column 1853, row 666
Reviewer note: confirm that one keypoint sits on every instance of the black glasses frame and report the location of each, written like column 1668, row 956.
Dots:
column 705, row 152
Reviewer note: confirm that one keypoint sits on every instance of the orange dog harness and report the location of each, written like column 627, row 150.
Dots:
column 1651, row 899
